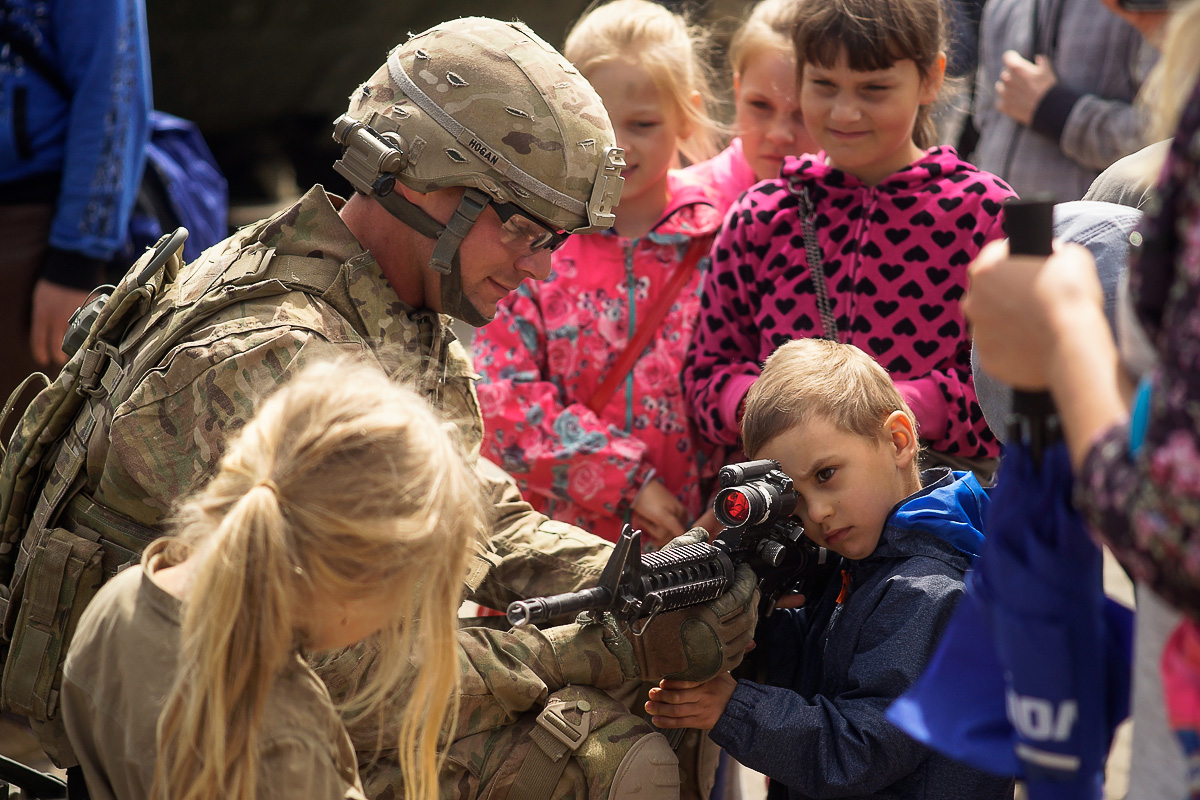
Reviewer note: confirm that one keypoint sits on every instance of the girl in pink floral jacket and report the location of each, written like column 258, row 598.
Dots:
column 552, row 344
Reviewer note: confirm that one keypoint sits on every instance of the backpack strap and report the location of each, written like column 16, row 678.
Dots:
column 650, row 324
column 54, row 411
column 555, row 737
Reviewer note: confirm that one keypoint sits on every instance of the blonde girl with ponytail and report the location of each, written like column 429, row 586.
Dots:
column 343, row 510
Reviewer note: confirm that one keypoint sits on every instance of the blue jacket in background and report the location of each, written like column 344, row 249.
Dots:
column 81, row 150
column 818, row 729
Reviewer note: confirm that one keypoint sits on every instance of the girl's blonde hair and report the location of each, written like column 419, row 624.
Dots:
column 769, row 27
column 1169, row 85
column 808, row 378
column 874, row 35
column 667, row 46
column 344, row 485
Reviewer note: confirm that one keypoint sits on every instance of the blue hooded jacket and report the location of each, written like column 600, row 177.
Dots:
column 816, row 727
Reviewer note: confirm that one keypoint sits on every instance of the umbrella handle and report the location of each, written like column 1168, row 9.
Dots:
column 1030, row 228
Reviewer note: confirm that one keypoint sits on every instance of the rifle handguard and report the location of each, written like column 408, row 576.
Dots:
column 676, row 577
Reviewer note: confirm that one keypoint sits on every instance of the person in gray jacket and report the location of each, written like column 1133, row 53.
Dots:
column 1054, row 93
column 815, row 725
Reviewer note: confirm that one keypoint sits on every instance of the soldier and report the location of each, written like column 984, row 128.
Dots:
column 475, row 150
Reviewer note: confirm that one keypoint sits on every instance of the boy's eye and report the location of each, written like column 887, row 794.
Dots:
column 824, row 475
column 761, row 105
column 877, row 87
column 645, row 124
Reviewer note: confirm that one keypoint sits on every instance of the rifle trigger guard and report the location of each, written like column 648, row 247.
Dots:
column 655, row 601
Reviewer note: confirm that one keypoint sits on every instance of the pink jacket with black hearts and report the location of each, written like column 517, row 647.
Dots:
column 895, row 259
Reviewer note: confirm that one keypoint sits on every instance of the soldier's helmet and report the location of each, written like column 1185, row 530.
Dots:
column 482, row 103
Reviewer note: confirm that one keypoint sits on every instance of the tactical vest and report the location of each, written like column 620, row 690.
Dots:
column 58, row 546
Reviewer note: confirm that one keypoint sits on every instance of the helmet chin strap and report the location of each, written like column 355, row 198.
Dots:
column 448, row 238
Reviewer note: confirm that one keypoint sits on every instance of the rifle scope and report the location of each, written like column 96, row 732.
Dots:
column 755, row 493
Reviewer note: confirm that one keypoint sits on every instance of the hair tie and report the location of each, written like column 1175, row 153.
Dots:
column 270, row 485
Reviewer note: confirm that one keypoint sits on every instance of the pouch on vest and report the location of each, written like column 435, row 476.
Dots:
column 582, row 745
column 64, row 575
column 51, row 564
column 43, row 475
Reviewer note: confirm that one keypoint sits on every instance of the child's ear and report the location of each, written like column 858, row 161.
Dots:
column 903, row 437
column 931, row 84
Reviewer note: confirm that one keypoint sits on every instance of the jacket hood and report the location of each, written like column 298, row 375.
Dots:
column 944, row 520
column 694, row 207
column 935, row 165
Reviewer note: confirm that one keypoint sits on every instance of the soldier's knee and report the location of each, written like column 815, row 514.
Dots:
column 649, row 769
column 622, row 756
column 585, row 738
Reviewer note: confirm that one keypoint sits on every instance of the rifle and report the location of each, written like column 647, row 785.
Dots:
column 755, row 505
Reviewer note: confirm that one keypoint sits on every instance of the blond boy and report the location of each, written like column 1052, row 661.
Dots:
column 831, row 417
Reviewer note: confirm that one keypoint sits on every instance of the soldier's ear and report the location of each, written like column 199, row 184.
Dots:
column 419, row 199
column 438, row 204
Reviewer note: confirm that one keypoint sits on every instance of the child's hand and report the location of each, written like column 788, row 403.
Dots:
column 659, row 515
column 790, row 601
column 688, row 704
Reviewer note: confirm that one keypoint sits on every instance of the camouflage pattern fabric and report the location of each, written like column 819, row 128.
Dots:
column 502, row 675
column 519, row 97
column 164, row 438
column 487, row 763
column 506, row 679
column 210, row 383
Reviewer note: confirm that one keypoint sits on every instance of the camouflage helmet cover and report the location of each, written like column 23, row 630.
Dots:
column 488, row 104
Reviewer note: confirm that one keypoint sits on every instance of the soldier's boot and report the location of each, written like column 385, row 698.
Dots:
column 583, row 745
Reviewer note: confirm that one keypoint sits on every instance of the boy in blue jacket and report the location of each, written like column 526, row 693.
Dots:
column 832, row 418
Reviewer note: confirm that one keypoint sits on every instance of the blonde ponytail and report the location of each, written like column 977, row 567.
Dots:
column 343, row 486
column 237, row 636
column 1167, row 88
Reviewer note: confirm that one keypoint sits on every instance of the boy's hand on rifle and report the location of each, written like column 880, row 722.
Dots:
column 699, row 642
column 690, row 704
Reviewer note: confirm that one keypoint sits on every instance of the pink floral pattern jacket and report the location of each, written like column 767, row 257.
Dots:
column 553, row 343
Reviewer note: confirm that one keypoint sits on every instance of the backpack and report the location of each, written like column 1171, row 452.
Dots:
column 57, row 546
column 182, row 187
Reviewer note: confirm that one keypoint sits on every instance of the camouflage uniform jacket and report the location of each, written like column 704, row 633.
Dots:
column 166, row 437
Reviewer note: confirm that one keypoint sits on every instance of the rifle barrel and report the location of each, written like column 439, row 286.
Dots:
column 540, row 609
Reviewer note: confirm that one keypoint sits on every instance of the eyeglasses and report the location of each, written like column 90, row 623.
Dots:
column 525, row 233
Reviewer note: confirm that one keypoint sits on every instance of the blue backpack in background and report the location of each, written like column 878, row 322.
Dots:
column 182, row 186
